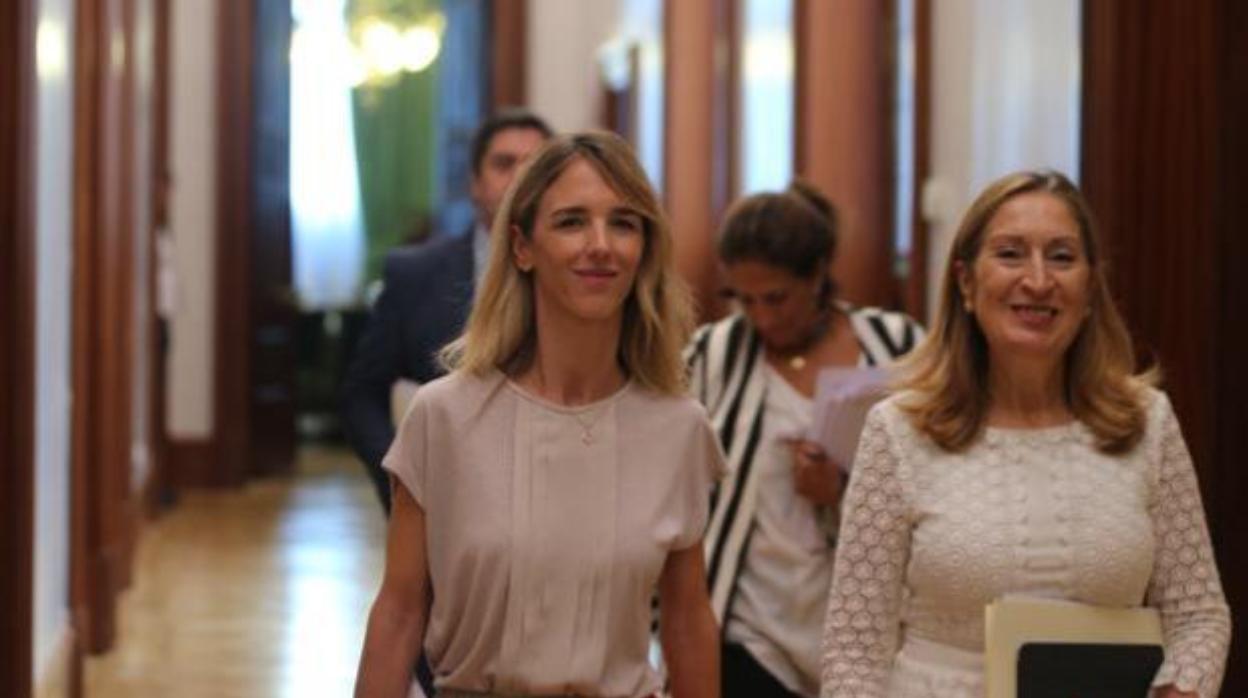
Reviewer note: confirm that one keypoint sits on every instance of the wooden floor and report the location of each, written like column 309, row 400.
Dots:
column 261, row 591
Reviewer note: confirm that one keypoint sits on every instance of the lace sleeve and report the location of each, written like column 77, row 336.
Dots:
column 861, row 627
column 1185, row 586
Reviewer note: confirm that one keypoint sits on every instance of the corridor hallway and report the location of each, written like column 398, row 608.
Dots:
column 258, row 591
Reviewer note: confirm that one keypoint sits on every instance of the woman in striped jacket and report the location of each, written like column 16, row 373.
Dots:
column 769, row 545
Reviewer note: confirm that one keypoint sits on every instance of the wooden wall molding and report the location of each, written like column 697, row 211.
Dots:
column 17, row 337
column 509, row 30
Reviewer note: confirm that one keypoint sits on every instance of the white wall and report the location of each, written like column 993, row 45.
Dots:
column 1005, row 96
column 576, row 45
column 53, row 293
column 563, row 41
column 192, row 217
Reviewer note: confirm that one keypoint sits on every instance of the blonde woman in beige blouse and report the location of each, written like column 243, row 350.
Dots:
column 558, row 477
column 1024, row 455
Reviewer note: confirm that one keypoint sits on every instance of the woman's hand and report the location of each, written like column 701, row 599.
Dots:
column 815, row 476
column 1169, row 691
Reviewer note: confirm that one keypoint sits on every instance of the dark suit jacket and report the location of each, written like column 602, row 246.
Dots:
column 425, row 298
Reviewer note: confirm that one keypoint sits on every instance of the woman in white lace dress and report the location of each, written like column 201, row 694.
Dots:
column 1023, row 455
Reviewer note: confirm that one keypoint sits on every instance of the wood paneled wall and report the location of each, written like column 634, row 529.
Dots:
column 17, row 338
column 1165, row 102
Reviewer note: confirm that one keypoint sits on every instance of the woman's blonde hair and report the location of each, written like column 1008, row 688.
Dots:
column 947, row 375
column 501, row 332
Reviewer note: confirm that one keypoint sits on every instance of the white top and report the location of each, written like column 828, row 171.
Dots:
column 548, row 527
column 930, row 537
column 783, row 588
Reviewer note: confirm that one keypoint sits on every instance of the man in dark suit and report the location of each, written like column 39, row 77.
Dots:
column 426, row 294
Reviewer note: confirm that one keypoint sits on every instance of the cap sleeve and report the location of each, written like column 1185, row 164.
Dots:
column 704, row 465
column 408, row 454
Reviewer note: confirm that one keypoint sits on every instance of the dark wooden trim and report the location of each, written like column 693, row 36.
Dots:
column 192, row 463
column 103, row 525
column 159, row 209
column 17, row 337
column 509, row 53
column 90, row 612
column 668, row 41
column 914, row 290
column 801, row 72
column 232, row 423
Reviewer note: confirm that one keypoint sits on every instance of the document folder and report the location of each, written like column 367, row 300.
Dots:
column 1039, row 648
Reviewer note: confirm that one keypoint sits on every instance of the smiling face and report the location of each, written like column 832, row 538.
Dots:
column 585, row 247
column 1028, row 287
column 781, row 306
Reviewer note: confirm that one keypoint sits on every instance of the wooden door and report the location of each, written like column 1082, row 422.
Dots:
column 255, row 412
column 273, row 311
column 17, row 337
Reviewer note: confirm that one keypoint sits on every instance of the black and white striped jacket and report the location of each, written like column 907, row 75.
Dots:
column 725, row 361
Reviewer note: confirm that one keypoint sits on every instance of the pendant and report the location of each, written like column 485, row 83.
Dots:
column 797, row 363
column 586, row 437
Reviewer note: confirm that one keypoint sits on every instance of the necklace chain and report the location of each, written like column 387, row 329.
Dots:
column 587, row 425
column 797, row 359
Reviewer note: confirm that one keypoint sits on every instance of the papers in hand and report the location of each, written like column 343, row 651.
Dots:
column 843, row 396
column 1043, row 647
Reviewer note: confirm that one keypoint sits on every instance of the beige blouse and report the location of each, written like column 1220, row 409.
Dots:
column 547, row 528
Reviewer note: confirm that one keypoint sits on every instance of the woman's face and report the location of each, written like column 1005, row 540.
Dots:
column 585, row 248
column 782, row 307
column 1028, row 287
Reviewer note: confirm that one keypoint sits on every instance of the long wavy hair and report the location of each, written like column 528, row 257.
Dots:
column 947, row 375
column 501, row 332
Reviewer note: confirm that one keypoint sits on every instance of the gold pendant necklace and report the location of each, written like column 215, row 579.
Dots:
column 797, row 363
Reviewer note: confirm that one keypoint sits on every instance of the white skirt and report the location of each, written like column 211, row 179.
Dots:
column 926, row 669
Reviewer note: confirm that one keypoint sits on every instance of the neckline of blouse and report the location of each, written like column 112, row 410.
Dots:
column 567, row 409
column 1048, row 433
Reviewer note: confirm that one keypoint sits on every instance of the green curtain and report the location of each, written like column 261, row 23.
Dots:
column 395, row 142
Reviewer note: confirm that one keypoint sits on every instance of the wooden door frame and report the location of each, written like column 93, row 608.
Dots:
column 232, row 413
column 913, row 288
column 17, row 339
column 103, row 520
column 160, row 485
column 508, row 53
column 846, row 153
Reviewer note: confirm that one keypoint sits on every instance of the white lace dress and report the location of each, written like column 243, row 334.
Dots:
column 930, row 537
